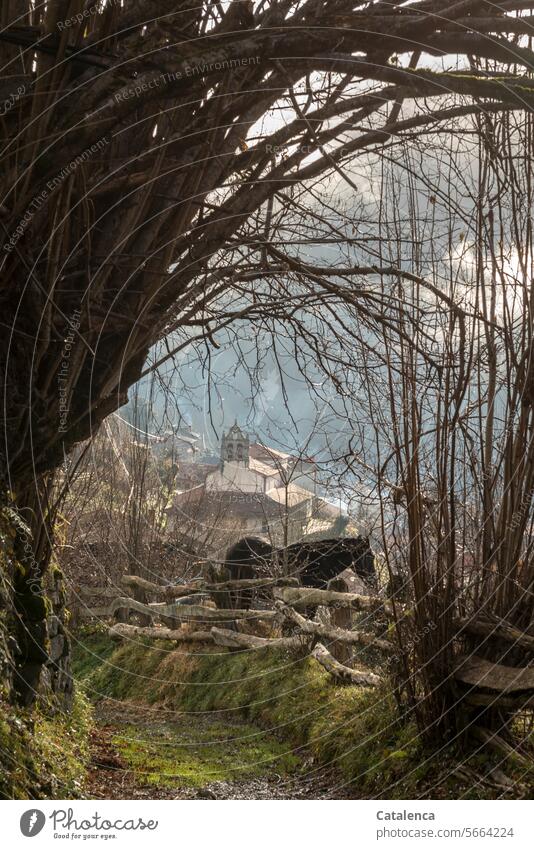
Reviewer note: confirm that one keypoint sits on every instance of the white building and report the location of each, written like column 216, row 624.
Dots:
column 253, row 490
column 258, row 469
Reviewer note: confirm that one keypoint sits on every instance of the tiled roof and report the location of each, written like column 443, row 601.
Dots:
column 268, row 454
column 262, row 468
column 295, row 494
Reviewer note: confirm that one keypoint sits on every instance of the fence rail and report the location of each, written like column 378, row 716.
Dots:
column 197, row 603
column 201, row 612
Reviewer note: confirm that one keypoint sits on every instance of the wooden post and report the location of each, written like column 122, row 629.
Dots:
column 216, row 573
column 341, row 618
column 139, row 594
column 122, row 614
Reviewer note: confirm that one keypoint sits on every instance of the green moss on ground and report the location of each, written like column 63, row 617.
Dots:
column 354, row 729
column 201, row 754
column 357, row 730
column 43, row 754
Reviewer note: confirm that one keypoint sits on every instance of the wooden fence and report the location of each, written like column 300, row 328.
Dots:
column 189, row 613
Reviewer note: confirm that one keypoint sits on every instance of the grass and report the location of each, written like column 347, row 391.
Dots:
column 354, row 729
column 357, row 730
column 89, row 647
column 43, row 754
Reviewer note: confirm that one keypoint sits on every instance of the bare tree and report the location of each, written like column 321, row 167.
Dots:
column 112, row 213
column 446, row 392
column 151, row 157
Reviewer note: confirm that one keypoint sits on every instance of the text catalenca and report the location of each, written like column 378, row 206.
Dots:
column 405, row 815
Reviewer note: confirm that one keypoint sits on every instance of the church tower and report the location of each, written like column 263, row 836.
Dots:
column 235, row 446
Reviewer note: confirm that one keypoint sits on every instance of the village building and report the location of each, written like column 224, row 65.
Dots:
column 254, row 490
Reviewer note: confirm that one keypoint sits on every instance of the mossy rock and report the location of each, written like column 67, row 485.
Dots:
column 34, row 642
column 32, row 607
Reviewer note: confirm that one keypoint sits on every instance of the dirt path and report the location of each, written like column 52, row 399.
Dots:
column 142, row 753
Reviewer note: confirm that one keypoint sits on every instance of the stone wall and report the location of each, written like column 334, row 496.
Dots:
column 34, row 646
column 44, row 650
column 56, row 677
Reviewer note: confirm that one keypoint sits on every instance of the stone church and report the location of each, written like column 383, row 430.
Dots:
column 254, row 490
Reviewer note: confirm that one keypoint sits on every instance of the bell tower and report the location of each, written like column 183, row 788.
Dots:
column 235, row 446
